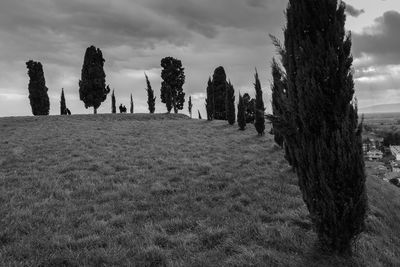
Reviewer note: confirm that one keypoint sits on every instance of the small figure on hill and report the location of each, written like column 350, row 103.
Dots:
column 68, row 111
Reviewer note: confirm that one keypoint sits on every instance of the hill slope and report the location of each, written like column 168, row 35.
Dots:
column 158, row 190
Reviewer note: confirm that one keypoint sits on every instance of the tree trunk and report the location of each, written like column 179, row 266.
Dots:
column 94, row 110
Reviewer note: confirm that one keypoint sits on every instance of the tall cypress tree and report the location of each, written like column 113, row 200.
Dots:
column 63, row 106
column 113, row 103
column 151, row 100
column 190, row 106
column 38, row 97
column 323, row 133
column 131, row 108
column 230, row 104
column 173, row 76
column 210, row 106
column 241, row 116
column 92, row 86
column 219, row 85
column 259, row 107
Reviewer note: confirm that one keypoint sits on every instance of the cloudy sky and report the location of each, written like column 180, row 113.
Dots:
column 135, row 35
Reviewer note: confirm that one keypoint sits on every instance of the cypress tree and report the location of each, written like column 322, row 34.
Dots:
column 92, row 86
column 113, row 103
column 131, row 108
column 278, row 88
column 230, row 104
column 63, row 107
column 151, row 100
column 241, row 116
column 190, row 106
column 250, row 108
column 171, row 88
column 219, row 85
column 199, row 114
column 259, row 107
column 210, row 106
column 322, row 131
column 38, row 97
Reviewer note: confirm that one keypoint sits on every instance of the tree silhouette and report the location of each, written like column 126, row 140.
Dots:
column 219, row 88
column 259, row 107
column 63, row 106
column 210, row 107
column 151, row 100
column 199, row 114
column 322, row 132
column 92, row 86
column 230, row 104
column 241, row 116
column 131, row 107
column 38, row 97
column 113, row 103
column 171, row 88
column 190, row 106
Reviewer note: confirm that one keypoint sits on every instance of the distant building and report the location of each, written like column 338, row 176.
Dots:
column 374, row 154
column 372, row 143
column 395, row 150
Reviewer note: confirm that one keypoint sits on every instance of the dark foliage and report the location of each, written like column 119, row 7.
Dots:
column 63, row 106
column 151, row 100
column 38, row 97
column 219, row 85
column 113, row 103
column 322, row 132
column 171, row 88
column 190, row 106
column 278, row 88
column 230, row 104
column 259, row 107
column 131, row 107
column 122, row 109
column 395, row 181
column 210, row 106
column 199, row 114
column 241, row 116
column 250, row 108
column 391, row 138
column 92, row 86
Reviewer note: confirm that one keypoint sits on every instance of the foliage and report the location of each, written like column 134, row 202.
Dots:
column 218, row 87
column 92, row 86
column 250, row 108
column 63, row 106
column 131, row 107
column 241, row 116
column 230, row 104
column 190, row 106
column 113, row 103
column 38, row 97
column 259, row 107
column 151, row 100
column 391, row 139
column 171, row 88
column 322, row 131
column 210, row 106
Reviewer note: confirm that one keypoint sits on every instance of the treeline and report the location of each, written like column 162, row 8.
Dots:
column 220, row 102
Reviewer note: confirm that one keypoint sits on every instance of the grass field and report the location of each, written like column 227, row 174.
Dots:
column 159, row 190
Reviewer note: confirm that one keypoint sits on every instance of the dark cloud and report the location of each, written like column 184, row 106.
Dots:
column 381, row 41
column 352, row 11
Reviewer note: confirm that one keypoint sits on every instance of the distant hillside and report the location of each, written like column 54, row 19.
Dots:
column 164, row 190
column 384, row 108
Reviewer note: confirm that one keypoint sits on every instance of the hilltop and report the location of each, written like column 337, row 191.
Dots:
column 163, row 190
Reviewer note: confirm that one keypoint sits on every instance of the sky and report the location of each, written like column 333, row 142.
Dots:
column 134, row 35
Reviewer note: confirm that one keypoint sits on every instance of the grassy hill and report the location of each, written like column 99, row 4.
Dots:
column 163, row 190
